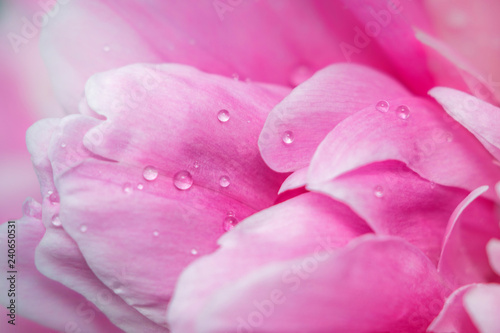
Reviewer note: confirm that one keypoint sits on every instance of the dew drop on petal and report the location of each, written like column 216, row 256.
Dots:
column 382, row 106
column 230, row 213
column 196, row 164
column 150, row 173
column 223, row 116
column 127, row 188
column 156, row 233
column 54, row 198
column 378, row 191
column 224, row 181
column 288, row 137
column 229, row 223
column 83, row 228
column 194, row 252
column 140, row 187
column 56, row 221
column 183, row 180
column 403, row 112
column 63, row 145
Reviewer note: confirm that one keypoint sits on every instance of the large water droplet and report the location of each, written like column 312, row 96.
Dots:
column 83, row 228
column 224, row 181
column 127, row 188
column 382, row 106
column 56, row 221
column 183, row 180
column 378, row 191
column 288, row 137
column 403, row 112
column 229, row 223
column 150, row 173
column 223, row 116
column 54, row 198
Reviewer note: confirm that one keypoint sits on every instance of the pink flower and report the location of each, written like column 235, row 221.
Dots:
column 223, row 169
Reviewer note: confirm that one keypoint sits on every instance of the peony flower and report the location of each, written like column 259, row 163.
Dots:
column 231, row 166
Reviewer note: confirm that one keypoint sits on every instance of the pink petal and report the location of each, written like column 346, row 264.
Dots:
column 373, row 284
column 39, row 298
column 389, row 24
column 314, row 108
column 58, row 256
column 480, row 118
column 280, row 42
column 483, row 305
column 456, row 23
column 426, row 141
column 112, row 211
column 463, row 257
column 451, row 70
column 394, row 200
column 493, row 250
column 453, row 317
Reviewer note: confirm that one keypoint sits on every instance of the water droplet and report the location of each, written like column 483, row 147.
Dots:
column 378, row 191
column 156, row 233
column 63, row 145
column 230, row 213
column 229, row 223
column 32, row 208
column 183, row 180
column 140, row 187
column 83, row 228
column 56, row 221
column 127, row 188
column 432, row 184
column 223, row 116
column 382, row 106
column 224, row 181
column 54, row 198
column 403, row 112
column 196, row 165
column 106, row 48
column 150, row 173
column 194, row 252
column 288, row 137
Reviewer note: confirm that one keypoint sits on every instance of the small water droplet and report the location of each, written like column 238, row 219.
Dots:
column 156, row 233
column 224, row 181
column 54, row 198
column 194, row 252
column 223, row 116
column 229, row 223
column 230, row 213
column 63, row 145
column 150, row 173
column 433, row 185
column 140, row 187
column 382, row 106
column 183, row 180
column 106, row 48
column 378, row 191
column 127, row 188
column 403, row 112
column 56, row 221
column 288, row 137
column 196, row 164
column 83, row 228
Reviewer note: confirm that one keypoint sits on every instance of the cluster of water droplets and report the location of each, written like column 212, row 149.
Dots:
column 402, row 111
